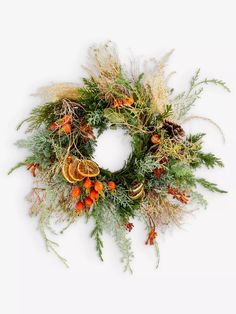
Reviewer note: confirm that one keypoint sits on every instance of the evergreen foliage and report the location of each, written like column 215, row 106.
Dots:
column 158, row 179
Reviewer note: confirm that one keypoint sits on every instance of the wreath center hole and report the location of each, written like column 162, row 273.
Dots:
column 113, row 149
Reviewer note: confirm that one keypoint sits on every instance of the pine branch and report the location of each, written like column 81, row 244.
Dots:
column 209, row 185
column 195, row 138
column 182, row 174
column 50, row 245
column 198, row 198
column 209, row 160
column 18, row 165
column 39, row 115
column 114, row 224
column 146, row 165
column 97, row 233
column 166, row 114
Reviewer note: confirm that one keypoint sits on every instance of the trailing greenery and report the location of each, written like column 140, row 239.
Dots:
column 209, row 185
column 157, row 182
column 46, row 113
column 185, row 100
column 97, row 233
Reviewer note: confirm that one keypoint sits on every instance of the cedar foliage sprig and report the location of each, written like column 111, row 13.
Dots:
column 157, row 181
column 184, row 101
column 209, row 185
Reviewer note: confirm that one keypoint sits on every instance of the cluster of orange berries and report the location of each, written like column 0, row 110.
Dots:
column 63, row 124
column 123, row 102
column 93, row 191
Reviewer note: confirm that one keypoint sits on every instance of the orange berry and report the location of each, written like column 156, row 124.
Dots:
column 117, row 103
column 155, row 139
column 53, row 126
column 75, row 192
column 129, row 226
column 98, row 186
column 88, row 183
column 129, row 101
column 67, row 128
column 94, row 195
column 158, row 172
column 79, row 207
column 111, row 185
column 88, row 202
column 67, row 119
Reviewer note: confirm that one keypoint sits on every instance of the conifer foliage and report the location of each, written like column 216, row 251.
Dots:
column 158, row 182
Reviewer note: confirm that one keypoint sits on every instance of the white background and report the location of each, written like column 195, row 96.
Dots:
column 45, row 41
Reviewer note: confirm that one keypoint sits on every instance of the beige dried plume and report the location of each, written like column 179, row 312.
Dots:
column 155, row 79
column 104, row 67
column 58, row 92
column 161, row 210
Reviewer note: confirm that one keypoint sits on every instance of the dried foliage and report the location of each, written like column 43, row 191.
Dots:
column 157, row 183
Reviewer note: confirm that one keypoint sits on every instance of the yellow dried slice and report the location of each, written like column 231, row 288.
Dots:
column 136, row 196
column 73, row 170
column 137, row 188
column 65, row 169
column 88, row 168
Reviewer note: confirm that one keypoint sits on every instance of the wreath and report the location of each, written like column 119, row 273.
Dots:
column 157, row 184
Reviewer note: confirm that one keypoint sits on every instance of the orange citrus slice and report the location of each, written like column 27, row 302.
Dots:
column 65, row 169
column 88, row 168
column 73, row 170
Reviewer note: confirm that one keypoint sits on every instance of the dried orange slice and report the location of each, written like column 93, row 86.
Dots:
column 73, row 170
column 136, row 196
column 88, row 168
column 65, row 170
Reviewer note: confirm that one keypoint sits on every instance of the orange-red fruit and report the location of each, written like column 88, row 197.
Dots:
column 151, row 237
column 88, row 202
column 67, row 119
column 53, row 126
column 118, row 103
column 79, row 207
column 158, row 172
column 67, row 128
column 98, row 186
column 129, row 226
column 111, row 185
column 75, row 192
column 155, row 139
column 129, row 101
column 88, row 183
column 94, row 195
